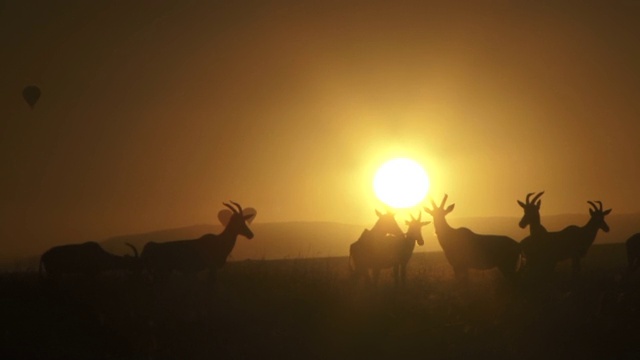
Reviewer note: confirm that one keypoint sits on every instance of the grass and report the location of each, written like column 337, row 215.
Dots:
column 309, row 308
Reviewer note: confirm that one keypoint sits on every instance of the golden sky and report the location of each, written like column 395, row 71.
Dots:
column 154, row 112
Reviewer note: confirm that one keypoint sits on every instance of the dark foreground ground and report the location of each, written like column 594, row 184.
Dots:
column 308, row 309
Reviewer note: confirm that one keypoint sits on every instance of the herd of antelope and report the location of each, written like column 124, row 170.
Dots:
column 384, row 246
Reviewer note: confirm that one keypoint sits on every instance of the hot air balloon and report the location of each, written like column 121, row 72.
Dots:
column 31, row 94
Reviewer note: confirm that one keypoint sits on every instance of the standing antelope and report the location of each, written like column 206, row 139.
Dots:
column 385, row 225
column 531, row 215
column 381, row 252
column 546, row 249
column 466, row 250
column 88, row 259
column 531, row 218
column 210, row 251
column 633, row 252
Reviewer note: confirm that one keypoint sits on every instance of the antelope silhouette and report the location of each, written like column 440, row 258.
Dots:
column 88, row 259
column 466, row 250
column 386, row 224
column 210, row 251
column 633, row 252
column 531, row 218
column 531, row 215
column 388, row 251
column 543, row 250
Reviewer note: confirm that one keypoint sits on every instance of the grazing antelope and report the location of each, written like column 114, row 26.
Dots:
column 210, row 251
column 633, row 252
column 84, row 259
column 466, row 250
column 546, row 249
column 381, row 252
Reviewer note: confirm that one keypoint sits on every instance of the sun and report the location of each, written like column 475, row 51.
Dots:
column 401, row 183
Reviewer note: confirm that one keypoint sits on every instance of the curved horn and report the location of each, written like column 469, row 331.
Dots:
column 135, row 251
column 444, row 200
column 230, row 208
column 535, row 198
column 238, row 206
column 593, row 205
column 527, row 202
column 599, row 203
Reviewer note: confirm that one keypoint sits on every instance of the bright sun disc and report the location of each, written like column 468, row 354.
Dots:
column 401, row 183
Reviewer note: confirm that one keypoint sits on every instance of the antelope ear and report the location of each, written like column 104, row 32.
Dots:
column 378, row 213
column 608, row 212
column 407, row 222
column 521, row 203
column 224, row 216
column 249, row 214
column 450, row 208
column 425, row 223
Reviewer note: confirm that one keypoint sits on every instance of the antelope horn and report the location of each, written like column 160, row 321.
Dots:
column 419, row 215
column 230, row 208
column 599, row 203
column 527, row 202
column 593, row 205
column 535, row 198
column 433, row 204
column 135, row 251
column 444, row 200
column 237, row 205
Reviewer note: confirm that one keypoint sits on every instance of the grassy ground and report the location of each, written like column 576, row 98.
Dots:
column 308, row 308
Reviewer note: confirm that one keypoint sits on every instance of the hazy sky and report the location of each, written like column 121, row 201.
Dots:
column 154, row 112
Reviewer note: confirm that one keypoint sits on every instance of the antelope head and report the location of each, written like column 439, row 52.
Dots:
column 439, row 212
column 387, row 224
column 531, row 210
column 236, row 220
column 415, row 228
column 597, row 215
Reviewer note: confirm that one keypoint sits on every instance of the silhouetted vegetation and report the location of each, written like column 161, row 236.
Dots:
column 306, row 308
